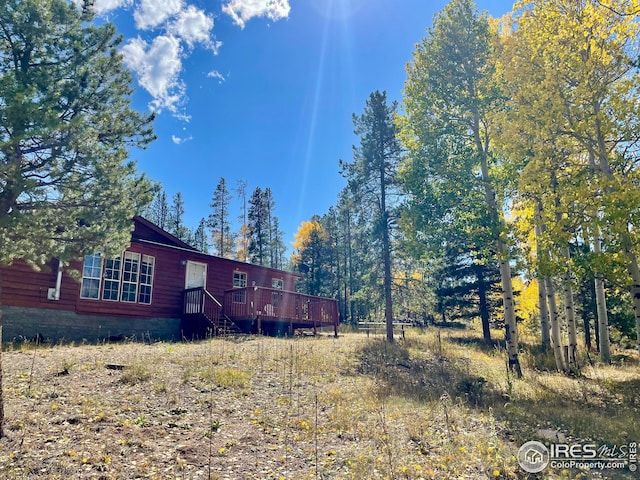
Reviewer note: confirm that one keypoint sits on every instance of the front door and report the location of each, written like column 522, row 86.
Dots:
column 196, row 275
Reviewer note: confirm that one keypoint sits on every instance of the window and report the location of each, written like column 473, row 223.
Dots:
column 239, row 279
column 276, row 283
column 111, row 288
column 130, row 269
column 126, row 279
column 91, row 274
column 146, row 279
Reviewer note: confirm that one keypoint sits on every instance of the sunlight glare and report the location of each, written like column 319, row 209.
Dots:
column 340, row 12
column 338, row 9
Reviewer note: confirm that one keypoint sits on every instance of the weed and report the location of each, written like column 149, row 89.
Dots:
column 225, row 377
column 216, row 425
column 427, row 406
column 142, row 420
column 135, row 373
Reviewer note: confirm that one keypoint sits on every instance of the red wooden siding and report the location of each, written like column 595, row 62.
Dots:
column 22, row 286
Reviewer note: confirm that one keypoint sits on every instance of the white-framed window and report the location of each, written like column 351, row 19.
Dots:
column 277, row 283
column 146, row 279
column 91, row 276
column 128, row 278
column 130, row 270
column 239, row 279
column 111, row 285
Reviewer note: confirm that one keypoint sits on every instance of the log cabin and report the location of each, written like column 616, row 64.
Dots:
column 160, row 288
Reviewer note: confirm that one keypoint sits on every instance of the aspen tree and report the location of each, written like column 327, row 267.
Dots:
column 449, row 94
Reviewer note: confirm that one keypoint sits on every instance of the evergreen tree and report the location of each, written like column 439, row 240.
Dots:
column 158, row 211
column 348, row 286
column 176, row 224
column 219, row 223
column 466, row 288
column 372, row 177
column 269, row 204
column 310, row 257
column 257, row 223
column 242, row 240
column 278, row 247
column 66, row 186
column 200, row 240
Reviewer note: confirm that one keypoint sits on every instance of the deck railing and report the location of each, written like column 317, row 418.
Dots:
column 197, row 301
column 278, row 305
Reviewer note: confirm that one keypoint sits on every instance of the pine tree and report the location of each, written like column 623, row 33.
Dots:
column 200, row 240
column 218, row 221
column 242, row 240
column 278, row 247
column 311, row 257
column 158, row 211
column 66, row 186
column 176, row 226
column 257, row 222
column 372, row 177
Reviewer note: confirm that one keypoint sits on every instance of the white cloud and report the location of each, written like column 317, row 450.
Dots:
column 100, row 7
column 158, row 66
column 172, row 29
column 151, row 13
column 158, row 62
column 216, row 74
column 194, row 26
column 244, row 10
column 178, row 140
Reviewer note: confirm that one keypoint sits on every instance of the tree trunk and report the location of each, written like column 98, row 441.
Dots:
column 544, row 315
column 1, row 386
column 570, row 316
column 556, row 334
column 596, row 332
column 542, row 290
column 601, row 307
column 634, row 288
column 586, row 324
column 511, row 329
column 388, row 303
column 502, row 251
column 483, row 304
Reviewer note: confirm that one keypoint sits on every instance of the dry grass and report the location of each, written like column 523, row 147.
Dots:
column 430, row 406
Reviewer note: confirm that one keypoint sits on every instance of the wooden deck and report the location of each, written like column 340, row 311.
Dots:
column 256, row 310
column 273, row 311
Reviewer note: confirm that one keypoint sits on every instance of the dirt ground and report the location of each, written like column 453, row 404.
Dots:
column 256, row 408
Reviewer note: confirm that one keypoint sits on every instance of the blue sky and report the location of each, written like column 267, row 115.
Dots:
column 263, row 90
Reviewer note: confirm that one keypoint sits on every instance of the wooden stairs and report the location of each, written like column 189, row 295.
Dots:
column 202, row 316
